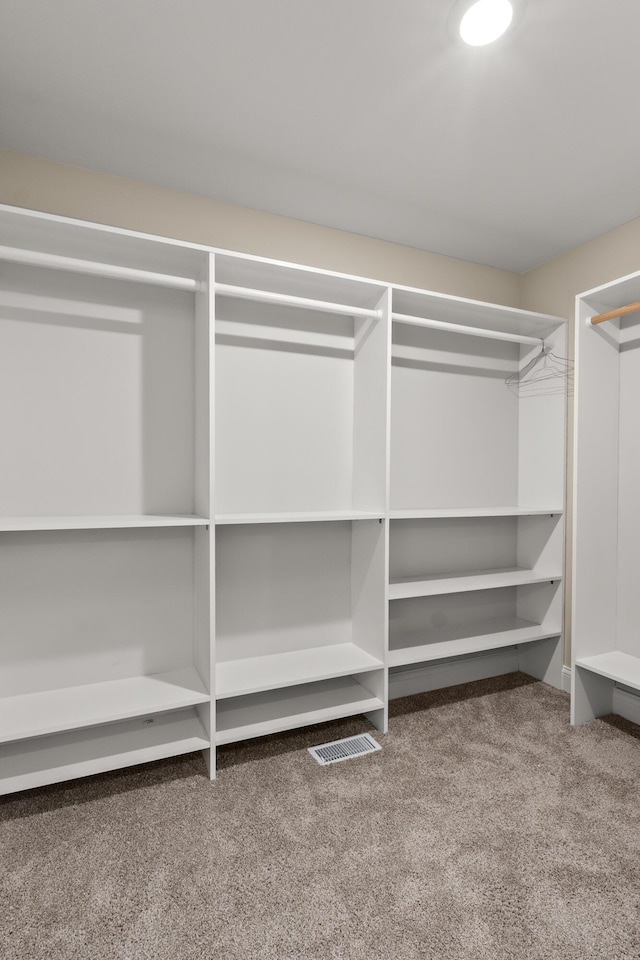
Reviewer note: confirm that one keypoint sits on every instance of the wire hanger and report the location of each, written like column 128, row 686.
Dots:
column 547, row 373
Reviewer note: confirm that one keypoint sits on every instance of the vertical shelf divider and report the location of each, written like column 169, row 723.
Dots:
column 204, row 544
column 370, row 491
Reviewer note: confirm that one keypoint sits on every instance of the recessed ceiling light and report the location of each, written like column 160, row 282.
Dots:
column 479, row 22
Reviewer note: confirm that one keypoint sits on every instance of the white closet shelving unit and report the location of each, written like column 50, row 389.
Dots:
column 381, row 499
column 476, row 520
column 301, row 453
column 606, row 552
column 105, row 541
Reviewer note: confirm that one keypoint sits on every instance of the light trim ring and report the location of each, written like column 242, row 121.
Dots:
column 478, row 23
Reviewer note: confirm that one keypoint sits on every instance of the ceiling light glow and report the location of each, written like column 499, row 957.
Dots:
column 485, row 21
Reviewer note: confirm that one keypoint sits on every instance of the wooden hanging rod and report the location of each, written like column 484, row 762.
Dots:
column 618, row 312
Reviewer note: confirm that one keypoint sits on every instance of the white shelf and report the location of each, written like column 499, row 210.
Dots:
column 490, row 580
column 447, row 513
column 256, row 716
column 71, row 708
column 321, row 516
column 15, row 524
column 475, row 313
column 620, row 667
column 236, row 678
column 457, row 641
column 81, row 753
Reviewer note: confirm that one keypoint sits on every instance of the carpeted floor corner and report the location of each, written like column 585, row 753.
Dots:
column 487, row 827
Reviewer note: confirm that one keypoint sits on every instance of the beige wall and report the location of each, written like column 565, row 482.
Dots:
column 75, row 192
column 552, row 288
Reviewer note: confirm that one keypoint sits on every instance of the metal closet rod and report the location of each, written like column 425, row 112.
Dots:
column 618, row 312
column 469, row 331
column 94, row 268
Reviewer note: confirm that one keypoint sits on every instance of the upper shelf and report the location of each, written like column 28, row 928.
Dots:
column 448, row 513
column 294, row 280
column 431, row 586
column 48, row 240
column 100, row 249
column 472, row 313
column 16, row 524
column 312, row 517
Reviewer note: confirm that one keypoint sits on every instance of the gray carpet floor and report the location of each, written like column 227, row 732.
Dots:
column 487, row 827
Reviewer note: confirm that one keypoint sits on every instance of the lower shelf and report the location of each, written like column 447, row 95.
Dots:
column 621, row 667
column 80, row 753
column 256, row 715
column 235, row 678
column 459, row 641
column 93, row 704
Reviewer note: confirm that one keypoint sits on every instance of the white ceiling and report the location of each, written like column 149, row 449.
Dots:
column 357, row 114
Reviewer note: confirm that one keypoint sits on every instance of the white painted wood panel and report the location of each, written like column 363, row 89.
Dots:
column 454, row 423
column 542, row 431
column 489, row 580
column 256, row 716
column 595, row 499
column 471, row 512
column 616, row 665
column 462, row 641
column 9, row 524
column 451, row 546
column 81, row 753
column 254, row 674
column 62, row 236
column 606, row 557
column 110, row 571
column 628, row 598
column 451, row 617
column 96, row 396
column 319, row 517
column 89, row 606
column 52, row 711
column 260, row 273
column 474, row 313
column 371, row 386
column 282, row 588
column 284, row 412
column 204, row 545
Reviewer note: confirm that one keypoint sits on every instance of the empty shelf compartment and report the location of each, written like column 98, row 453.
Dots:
column 467, row 639
column 257, row 715
column 80, row 753
column 52, row 711
column 254, row 674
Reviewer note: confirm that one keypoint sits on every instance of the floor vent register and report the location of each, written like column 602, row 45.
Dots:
column 346, row 749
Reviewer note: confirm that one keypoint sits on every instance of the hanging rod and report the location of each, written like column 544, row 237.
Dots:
column 618, row 312
column 96, row 269
column 284, row 299
column 470, row 331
